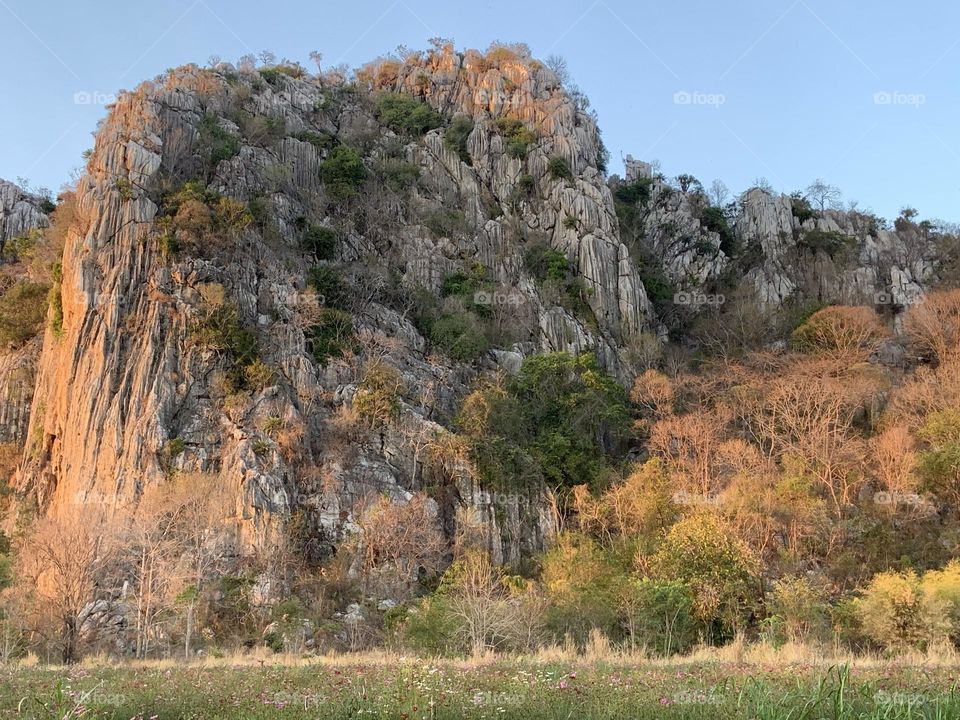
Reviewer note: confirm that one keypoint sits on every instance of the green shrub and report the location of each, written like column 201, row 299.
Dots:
column 714, row 220
column 216, row 143
column 221, row 330
column 319, row 240
column 721, row 571
column 320, row 140
column 635, row 192
column 831, row 242
column 443, row 222
column 343, row 171
column 23, row 308
column 274, row 74
column 658, row 615
column 583, row 583
column 518, row 136
column 525, row 186
column 460, row 335
column 333, row 335
column 327, row 283
column 377, row 399
column 457, row 134
column 466, row 284
column 898, row 614
column 801, row 208
column 546, row 263
column 405, row 114
column 560, row 418
column 559, row 168
column 398, row 175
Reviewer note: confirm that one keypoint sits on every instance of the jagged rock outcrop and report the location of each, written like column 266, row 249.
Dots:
column 20, row 211
column 779, row 258
column 128, row 390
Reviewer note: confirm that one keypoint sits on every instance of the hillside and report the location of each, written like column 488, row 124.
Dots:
column 387, row 319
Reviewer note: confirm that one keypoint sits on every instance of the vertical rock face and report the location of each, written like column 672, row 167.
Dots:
column 131, row 390
column 20, row 211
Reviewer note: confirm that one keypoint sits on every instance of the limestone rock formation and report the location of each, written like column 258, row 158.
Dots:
column 133, row 386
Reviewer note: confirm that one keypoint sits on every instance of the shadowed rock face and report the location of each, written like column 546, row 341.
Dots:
column 126, row 380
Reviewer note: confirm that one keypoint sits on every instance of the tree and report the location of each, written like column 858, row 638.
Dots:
column 689, row 445
column 316, row 57
column 688, row 183
column 478, row 599
column 638, row 509
column 933, row 326
column 847, row 334
column 823, row 195
column 718, row 193
column 200, row 508
column 66, row 557
column 402, row 541
column 721, row 571
column 895, row 460
column 898, row 614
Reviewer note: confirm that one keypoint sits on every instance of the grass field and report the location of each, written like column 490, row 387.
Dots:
column 496, row 688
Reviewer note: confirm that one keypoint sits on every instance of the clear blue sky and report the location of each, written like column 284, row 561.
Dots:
column 798, row 79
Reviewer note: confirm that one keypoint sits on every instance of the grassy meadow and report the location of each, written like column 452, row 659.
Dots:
column 383, row 686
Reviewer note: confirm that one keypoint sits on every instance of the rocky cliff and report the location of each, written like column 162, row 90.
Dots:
column 257, row 254
column 140, row 379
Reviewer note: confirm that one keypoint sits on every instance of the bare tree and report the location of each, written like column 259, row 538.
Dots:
column 402, row 542
column 823, row 195
column 65, row 557
column 478, row 602
column 718, row 193
column 933, row 325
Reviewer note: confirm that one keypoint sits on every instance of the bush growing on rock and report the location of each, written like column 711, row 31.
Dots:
column 23, row 308
column 518, row 136
column 216, row 143
column 457, row 134
column 332, row 336
column 398, row 175
column 343, row 172
column 377, row 399
column 559, row 168
column 320, row 241
column 561, row 415
column 405, row 114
